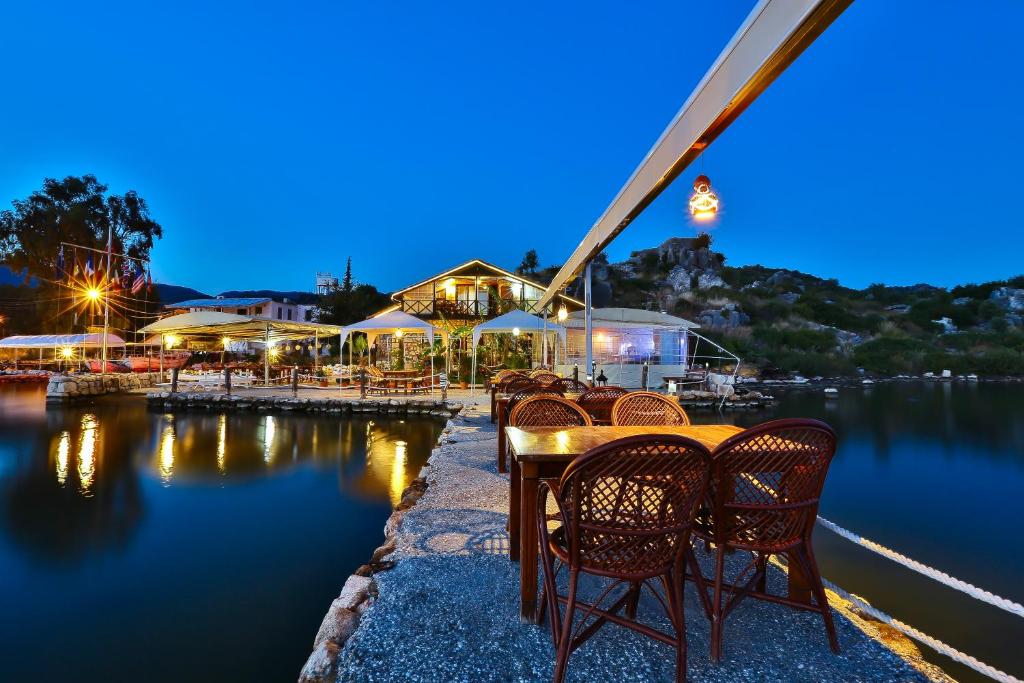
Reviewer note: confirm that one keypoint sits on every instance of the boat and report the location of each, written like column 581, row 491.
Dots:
column 152, row 363
column 112, row 366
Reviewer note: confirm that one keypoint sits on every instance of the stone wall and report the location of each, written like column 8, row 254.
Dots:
column 388, row 406
column 64, row 388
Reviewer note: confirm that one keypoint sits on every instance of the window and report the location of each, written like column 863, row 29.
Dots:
column 278, row 312
column 241, row 311
column 289, row 314
column 259, row 310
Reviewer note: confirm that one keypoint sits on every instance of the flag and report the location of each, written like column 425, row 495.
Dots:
column 60, row 264
column 77, row 269
column 149, row 280
column 115, row 281
column 139, row 282
column 89, row 270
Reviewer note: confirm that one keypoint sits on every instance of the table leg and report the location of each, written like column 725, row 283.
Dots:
column 501, row 440
column 528, row 550
column 514, row 499
column 493, row 399
column 799, row 586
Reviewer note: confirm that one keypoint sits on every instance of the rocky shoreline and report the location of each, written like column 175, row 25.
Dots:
column 67, row 388
column 167, row 401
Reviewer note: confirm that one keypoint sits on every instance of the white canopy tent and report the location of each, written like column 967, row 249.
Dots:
column 509, row 323
column 53, row 341
column 240, row 328
column 58, row 341
column 395, row 323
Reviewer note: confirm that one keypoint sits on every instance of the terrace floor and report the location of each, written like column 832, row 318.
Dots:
column 449, row 610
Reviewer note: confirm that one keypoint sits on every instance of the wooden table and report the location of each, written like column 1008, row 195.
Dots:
column 501, row 413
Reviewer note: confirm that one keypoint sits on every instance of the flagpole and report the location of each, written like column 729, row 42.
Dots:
column 106, row 300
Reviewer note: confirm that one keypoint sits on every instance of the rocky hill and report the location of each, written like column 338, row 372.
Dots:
column 786, row 321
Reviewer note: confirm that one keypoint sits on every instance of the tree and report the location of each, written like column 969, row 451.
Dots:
column 343, row 308
column 529, row 264
column 78, row 210
column 346, row 282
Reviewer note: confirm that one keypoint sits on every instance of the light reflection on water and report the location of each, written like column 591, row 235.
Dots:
column 102, row 502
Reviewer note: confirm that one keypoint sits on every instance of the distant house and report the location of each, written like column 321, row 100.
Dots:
column 472, row 291
column 262, row 307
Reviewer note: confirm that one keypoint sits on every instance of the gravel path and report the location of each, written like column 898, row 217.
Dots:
column 449, row 609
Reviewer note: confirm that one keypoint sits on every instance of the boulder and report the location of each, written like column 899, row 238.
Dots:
column 321, row 665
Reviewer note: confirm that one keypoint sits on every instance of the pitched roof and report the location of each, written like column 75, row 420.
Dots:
column 489, row 266
column 219, row 303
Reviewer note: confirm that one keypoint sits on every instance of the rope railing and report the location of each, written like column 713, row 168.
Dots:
column 932, row 573
column 923, row 569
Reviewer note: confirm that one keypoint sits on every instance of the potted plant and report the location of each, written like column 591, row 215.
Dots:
column 465, row 370
column 321, row 377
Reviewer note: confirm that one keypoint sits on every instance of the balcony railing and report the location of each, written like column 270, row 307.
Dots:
column 462, row 308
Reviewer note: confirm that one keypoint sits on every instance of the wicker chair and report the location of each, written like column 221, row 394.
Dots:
column 544, row 376
column 598, row 403
column 764, row 499
column 626, row 510
column 542, row 410
column 532, row 389
column 507, row 385
column 568, row 385
column 645, row 408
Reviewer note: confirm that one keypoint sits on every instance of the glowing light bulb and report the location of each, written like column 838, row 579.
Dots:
column 93, row 294
column 562, row 314
column 67, row 352
column 171, row 340
column 703, row 201
column 226, row 341
column 515, row 331
column 399, row 333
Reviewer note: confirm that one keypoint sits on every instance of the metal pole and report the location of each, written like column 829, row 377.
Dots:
column 174, row 380
column 106, row 301
column 588, row 322
column 316, row 351
column 295, row 381
column 544, row 354
column 161, row 357
column 266, row 358
column 227, row 380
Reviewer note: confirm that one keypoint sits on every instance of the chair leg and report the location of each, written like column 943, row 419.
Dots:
column 675, row 586
column 762, row 566
column 549, row 591
column 716, row 604
column 634, row 599
column 565, row 638
column 699, row 582
column 819, row 594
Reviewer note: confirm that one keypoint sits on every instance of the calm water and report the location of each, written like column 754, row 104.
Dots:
column 191, row 547
column 935, row 471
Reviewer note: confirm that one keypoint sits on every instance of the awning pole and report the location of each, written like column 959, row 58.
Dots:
column 266, row 359
column 161, row 357
column 588, row 326
column 544, row 359
column 316, row 350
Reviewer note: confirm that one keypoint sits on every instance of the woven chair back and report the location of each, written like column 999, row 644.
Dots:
column 768, row 481
column 548, row 411
column 532, row 390
column 646, row 408
column 569, row 385
column 628, row 505
column 598, row 402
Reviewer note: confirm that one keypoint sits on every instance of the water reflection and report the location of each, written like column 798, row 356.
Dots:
column 101, row 502
column 87, row 454
column 166, row 457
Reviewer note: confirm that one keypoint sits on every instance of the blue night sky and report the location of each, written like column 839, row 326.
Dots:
column 272, row 141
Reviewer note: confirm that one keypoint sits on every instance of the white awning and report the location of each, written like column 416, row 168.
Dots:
column 50, row 341
column 629, row 318
column 238, row 327
column 391, row 322
column 515, row 319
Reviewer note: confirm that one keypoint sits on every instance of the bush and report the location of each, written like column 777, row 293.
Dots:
column 892, row 355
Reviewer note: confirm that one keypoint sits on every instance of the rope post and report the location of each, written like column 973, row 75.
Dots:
column 227, row 380
column 362, row 382
column 644, row 373
column 174, row 380
column 295, row 381
column 576, row 373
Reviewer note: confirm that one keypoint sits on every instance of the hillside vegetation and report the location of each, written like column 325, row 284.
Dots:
column 784, row 321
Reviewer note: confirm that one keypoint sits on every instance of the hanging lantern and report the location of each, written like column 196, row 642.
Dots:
column 703, row 201
column 398, row 334
column 563, row 313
